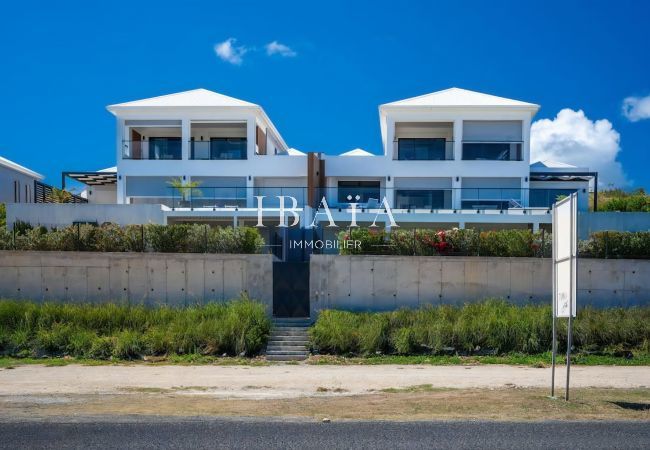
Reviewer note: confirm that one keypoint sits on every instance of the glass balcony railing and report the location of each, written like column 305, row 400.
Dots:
column 424, row 149
column 153, row 148
column 492, row 151
column 219, row 148
column 403, row 200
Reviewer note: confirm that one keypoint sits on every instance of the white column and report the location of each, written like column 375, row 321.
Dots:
column 390, row 148
column 186, row 134
column 458, row 139
column 526, row 138
column 535, row 227
column 525, row 198
column 250, row 137
column 390, row 191
column 120, row 145
column 250, row 197
column 456, row 193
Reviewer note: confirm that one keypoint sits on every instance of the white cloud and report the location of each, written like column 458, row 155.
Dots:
column 572, row 138
column 229, row 52
column 636, row 108
column 275, row 48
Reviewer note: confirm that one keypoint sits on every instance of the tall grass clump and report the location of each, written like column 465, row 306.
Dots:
column 238, row 327
column 489, row 327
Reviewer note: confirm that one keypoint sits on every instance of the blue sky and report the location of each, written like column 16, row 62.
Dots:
column 63, row 63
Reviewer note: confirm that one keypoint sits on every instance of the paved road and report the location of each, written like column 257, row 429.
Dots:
column 229, row 433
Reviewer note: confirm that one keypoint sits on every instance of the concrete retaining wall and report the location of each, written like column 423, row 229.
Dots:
column 376, row 283
column 148, row 278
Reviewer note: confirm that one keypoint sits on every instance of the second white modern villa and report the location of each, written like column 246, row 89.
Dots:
column 452, row 158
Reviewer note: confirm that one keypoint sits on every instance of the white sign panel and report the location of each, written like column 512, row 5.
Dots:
column 565, row 251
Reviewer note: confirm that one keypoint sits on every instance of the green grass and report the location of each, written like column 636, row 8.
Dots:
column 539, row 360
column 124, row 332
column 489, row 327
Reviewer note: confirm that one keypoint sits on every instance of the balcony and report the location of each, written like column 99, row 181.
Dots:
column 222, row 148
column 425, row 149
column 155, row 148
column 492, row 151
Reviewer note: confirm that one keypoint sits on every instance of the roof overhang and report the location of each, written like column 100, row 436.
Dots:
column 93, row 178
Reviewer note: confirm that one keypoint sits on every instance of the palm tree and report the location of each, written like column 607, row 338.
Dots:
column 187, row 189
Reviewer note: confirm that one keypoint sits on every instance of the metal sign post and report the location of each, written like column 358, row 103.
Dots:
column 565, row 252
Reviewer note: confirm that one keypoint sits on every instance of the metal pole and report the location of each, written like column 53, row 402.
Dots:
column 568, row 337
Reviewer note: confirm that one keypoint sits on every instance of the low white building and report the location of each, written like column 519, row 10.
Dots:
column 17, row 183
column 450, row 158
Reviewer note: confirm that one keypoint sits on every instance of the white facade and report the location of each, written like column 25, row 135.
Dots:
column 453, row 157
column 16, row 182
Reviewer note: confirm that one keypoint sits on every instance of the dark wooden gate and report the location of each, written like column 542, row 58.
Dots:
column 291, row 289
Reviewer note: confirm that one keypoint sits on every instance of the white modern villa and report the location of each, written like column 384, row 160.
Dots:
column 452, row 158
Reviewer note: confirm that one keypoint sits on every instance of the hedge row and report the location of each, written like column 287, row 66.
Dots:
column 467, row 242
column 108, row 331
column 616, row 244
column 109, row 237
column 490, row 327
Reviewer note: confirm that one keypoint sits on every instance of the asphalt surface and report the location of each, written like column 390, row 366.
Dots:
column 145, row 432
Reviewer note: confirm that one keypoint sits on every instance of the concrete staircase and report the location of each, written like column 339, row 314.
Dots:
column 289, row 340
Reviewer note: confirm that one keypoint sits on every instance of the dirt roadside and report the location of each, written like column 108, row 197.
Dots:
column 293, row 381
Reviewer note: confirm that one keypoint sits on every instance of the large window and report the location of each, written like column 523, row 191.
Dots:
column 421, row 149
column 164, row 148
column 364, row 189
column 422, row 199
column 544, row 198
column 492, row 151
column 219, row 148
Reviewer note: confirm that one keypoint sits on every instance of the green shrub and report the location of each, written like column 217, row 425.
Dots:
column 426, row 242
column 493, row 326
column 637, row 201
column 108, row 237
column 127, row 332
column 617, row 244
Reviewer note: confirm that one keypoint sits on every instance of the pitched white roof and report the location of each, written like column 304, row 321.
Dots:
column 551, row 165
column 18, row 168
column 459, row 97
column 195, row 97
column 356, row 152
column 109, row 169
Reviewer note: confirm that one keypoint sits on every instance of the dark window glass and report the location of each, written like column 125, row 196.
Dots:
column 364, row 189
column 544, row 198
column 228, row 148
column 421, row 149
column 420, row 199
column 493, row 151
column 164, row 148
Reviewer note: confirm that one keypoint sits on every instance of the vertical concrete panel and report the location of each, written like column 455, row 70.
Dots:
column 452, row 289
column 521, row 280
column 234, row 278
column 430, row 276
column 138, row 280
column 476, row 279
column 30, row 282
column 259, row 279
column 319, row 293
column 361, row 279
column 195, row 280
column 542, row 280
column 338, row 275
column 175, row 282
column 498, row 278
column 9, row 282
column 384, row 284
column 98, row 284
column 118, row 279
column 408, row 282
column 76, row 284
column 213, row 279
column 54, row 283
